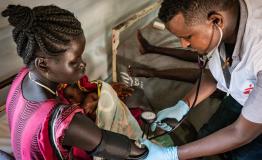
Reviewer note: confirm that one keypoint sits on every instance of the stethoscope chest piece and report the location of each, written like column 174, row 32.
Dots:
column 148, row 117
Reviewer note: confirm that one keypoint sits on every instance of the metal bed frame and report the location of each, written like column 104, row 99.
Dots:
column 116, row 31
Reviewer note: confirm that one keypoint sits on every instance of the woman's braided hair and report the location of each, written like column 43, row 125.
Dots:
column 48, row 28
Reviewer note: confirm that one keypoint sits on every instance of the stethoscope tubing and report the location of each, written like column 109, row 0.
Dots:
column 201, row 67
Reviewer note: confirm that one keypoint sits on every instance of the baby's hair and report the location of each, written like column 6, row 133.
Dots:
column 194, row 11
column 48, row 28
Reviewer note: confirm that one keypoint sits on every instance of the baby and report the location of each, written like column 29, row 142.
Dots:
column 86, row 94
column 83, row 93
column 86, row 100
column 111, row 113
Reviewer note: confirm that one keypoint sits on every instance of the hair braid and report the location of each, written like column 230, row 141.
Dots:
column 51, row 10
column 30, row 48
column 40, row 43
column 49, row 36
column 21, row 39
column 48, row 28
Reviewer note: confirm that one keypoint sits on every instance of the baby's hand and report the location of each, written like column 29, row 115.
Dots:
column 123, row 91
column 90, row 104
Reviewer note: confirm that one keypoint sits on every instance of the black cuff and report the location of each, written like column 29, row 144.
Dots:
column 113, row 146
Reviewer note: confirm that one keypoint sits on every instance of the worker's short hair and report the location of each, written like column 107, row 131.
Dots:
column 194, row 11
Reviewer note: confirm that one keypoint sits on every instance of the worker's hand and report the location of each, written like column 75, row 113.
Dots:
column 158, row 152
column 176, row 112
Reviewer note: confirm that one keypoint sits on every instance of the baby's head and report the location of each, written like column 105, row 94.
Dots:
column 73, row 94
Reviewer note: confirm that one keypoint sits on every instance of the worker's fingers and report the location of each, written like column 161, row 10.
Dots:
column 164, row 126
column 153, row 126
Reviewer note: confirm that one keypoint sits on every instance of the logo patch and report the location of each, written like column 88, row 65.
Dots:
column 249, row 89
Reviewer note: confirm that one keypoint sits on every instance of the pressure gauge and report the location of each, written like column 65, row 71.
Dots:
column 148, row 117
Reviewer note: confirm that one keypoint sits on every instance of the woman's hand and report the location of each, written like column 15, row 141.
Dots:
column 123, row 90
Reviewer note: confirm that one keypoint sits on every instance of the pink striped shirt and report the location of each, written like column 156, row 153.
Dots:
column 28, row 122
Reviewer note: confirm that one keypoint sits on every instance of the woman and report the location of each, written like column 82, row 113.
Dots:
column 51, row 42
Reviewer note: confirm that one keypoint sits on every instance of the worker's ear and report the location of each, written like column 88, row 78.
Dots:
column 216, row 18
column 41, row 64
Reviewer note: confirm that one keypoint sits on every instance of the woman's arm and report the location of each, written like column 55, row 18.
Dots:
column 239, row 133
column 83, row 133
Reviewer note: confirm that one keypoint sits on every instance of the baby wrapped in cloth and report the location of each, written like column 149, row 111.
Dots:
column 107, row 110
column 110, row 112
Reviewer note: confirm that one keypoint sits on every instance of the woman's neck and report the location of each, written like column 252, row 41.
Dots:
column 34, row 92
column 41, row 80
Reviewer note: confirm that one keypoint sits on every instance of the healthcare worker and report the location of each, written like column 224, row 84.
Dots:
column 229, row 34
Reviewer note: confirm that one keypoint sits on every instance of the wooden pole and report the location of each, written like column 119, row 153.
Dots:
column 123, row 26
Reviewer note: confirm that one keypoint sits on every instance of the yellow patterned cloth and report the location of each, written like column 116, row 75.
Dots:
column 113, row 115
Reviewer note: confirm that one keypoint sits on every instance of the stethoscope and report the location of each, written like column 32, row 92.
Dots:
column 149, row 117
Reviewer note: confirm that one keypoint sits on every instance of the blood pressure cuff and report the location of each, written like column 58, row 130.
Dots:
column 113, row 146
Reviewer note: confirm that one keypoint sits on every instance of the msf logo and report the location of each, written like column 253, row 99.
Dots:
column 249, row 89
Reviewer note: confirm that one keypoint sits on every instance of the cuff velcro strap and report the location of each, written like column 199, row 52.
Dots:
column 113, row 146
